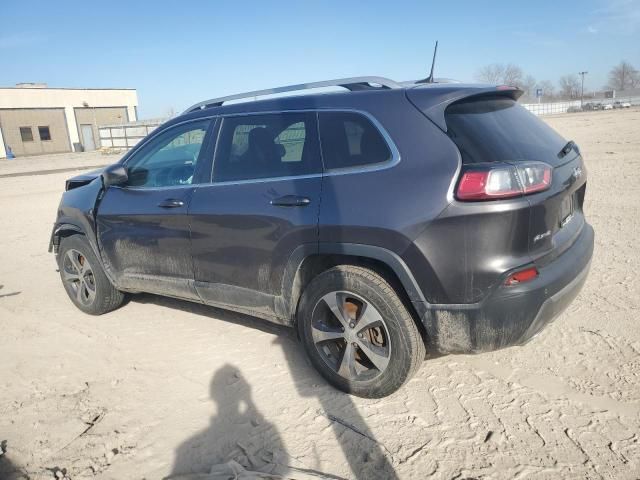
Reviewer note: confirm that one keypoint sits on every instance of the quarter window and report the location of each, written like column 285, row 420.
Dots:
column 267, row 146
column 351, row 140
column 26, row 134
column 44, row 133
column 170, row 159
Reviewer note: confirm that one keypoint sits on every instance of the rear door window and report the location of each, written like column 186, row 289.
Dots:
column 351, row 140
column 267, row 146
column 497, row 129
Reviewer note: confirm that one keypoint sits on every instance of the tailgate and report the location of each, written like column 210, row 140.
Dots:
column 492, row 129
column 556, row 215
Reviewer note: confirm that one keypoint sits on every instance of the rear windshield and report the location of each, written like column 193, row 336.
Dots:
column 497, row 129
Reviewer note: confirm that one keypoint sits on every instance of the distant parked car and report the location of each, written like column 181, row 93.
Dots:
column 592, row 106
column 625, row 105
column 607, row 106
column 573, row 109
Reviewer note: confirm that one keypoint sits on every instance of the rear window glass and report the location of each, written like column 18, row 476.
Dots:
column 351, row 140
column 497, row 129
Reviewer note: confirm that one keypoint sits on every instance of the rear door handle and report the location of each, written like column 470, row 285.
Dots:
column 290, row 201
column 171, row 203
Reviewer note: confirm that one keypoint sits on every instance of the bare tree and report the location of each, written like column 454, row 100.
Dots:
column 623, row 76
column 491, row 73
column 495, row 73
column 528, row 85
column 570, row 86
column 512, row 75
column 170, row 112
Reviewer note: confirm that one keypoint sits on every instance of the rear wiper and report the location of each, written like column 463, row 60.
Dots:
column 571, row 145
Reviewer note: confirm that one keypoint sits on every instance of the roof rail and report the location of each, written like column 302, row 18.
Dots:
column 352, row 84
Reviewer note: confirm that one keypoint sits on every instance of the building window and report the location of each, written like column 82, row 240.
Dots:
column 44, row 133
column 26, row 134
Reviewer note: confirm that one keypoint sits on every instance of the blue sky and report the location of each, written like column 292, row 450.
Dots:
column 177, row 53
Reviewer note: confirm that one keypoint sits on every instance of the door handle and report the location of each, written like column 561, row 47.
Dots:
column 171, row 203
column 290, row 201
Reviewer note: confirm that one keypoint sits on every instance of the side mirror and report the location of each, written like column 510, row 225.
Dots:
column 114, row 175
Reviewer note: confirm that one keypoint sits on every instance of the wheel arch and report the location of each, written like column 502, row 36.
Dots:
column 66, row 228
column 308, row 261
column 62, row 230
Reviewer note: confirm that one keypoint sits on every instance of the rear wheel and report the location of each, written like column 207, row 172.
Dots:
column 83, row 278
column 358, row 333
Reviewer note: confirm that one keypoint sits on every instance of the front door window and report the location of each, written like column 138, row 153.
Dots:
column 170, row 159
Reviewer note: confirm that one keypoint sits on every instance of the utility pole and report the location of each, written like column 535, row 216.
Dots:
column 582, row 74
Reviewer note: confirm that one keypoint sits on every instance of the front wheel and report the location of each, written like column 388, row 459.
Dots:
column 83, row 278
column 358, row 333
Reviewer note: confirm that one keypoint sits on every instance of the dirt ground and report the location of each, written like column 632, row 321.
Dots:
column 163, row 386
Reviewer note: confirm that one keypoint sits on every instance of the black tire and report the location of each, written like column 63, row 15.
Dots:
column 394, row 340
column 83, row 277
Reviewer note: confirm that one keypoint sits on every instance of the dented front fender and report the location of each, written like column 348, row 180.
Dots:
column 76, row 213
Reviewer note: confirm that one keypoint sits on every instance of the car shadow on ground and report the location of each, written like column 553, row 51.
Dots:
column 367, row 457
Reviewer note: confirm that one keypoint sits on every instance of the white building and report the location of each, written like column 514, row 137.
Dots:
column 36, row 119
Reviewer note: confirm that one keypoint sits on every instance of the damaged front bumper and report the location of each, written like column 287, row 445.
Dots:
column 511, row 315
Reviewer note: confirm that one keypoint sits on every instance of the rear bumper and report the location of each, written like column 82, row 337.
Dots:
column 515, row 314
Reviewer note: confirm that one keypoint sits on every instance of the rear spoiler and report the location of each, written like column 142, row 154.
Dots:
column 433, row 100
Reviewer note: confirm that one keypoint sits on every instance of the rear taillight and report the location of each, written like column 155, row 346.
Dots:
column 504, row 181
column 522, row 276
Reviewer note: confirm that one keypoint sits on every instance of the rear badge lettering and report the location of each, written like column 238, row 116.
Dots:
column 566, row 220
column 539, row 237
column 577, row 173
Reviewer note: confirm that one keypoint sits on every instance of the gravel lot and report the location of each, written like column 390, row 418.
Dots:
column 163, row 386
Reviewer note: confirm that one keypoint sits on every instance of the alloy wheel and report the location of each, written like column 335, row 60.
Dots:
column 77, row 273
column 351, row 336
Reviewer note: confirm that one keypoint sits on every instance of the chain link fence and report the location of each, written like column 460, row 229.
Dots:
column 554, row 108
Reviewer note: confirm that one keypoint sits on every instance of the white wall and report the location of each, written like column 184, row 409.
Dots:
column 68, row 98
column 127, row 135
column 131, row 111
column 3, row 153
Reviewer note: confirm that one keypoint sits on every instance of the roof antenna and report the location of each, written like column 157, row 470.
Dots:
column 429, row 79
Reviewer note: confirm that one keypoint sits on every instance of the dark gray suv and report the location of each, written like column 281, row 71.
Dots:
column 381, row 222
